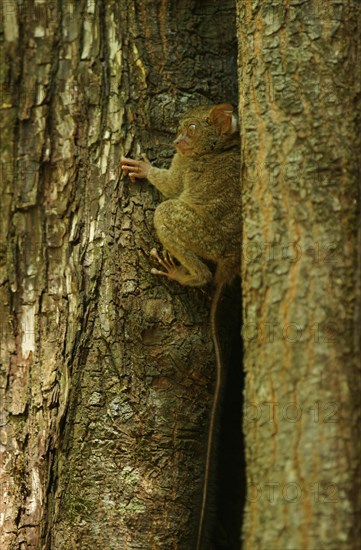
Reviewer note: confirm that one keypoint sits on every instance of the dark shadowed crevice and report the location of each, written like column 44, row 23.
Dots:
column 230, row 476
column 226, row 493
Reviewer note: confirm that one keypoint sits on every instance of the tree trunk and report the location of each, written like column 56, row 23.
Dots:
column 107, row 372
column 300, row 125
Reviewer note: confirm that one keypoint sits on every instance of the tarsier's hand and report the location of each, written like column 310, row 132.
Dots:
column 137, row 169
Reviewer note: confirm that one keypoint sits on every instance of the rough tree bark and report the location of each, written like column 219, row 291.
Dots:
column 300, row 75
column 107, row 372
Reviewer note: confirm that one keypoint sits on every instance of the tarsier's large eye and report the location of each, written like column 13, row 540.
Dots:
column 192, row 129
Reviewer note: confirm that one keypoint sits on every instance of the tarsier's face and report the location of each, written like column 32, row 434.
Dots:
column 204, row 128
column 186, row 141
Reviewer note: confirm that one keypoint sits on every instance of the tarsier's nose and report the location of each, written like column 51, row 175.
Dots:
column 179, row 139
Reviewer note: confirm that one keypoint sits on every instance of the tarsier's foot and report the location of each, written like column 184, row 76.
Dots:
column 172, row 271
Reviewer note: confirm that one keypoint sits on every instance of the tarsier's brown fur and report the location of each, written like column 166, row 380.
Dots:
column 201, row 220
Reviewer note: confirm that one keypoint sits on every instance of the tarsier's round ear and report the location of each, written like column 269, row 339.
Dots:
column 223, row 118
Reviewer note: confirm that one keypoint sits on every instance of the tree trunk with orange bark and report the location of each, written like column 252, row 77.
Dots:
column 107, row 371
column 300, row 83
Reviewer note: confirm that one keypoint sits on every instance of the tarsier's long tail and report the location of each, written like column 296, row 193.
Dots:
column 214, row 414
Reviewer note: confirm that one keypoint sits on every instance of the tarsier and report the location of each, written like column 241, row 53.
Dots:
column 200, row 220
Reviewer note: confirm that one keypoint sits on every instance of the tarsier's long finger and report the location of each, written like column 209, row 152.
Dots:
column 124, row 162
column 128, row 167
column 128, row 160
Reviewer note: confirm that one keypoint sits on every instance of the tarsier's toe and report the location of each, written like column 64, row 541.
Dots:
column 155, row 271
column 165, row 260
column 169, row 260
column 154, row 253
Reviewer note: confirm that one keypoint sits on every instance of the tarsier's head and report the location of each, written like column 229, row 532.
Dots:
column 205, row 128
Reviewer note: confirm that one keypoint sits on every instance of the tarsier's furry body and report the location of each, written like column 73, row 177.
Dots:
column 201, row 218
